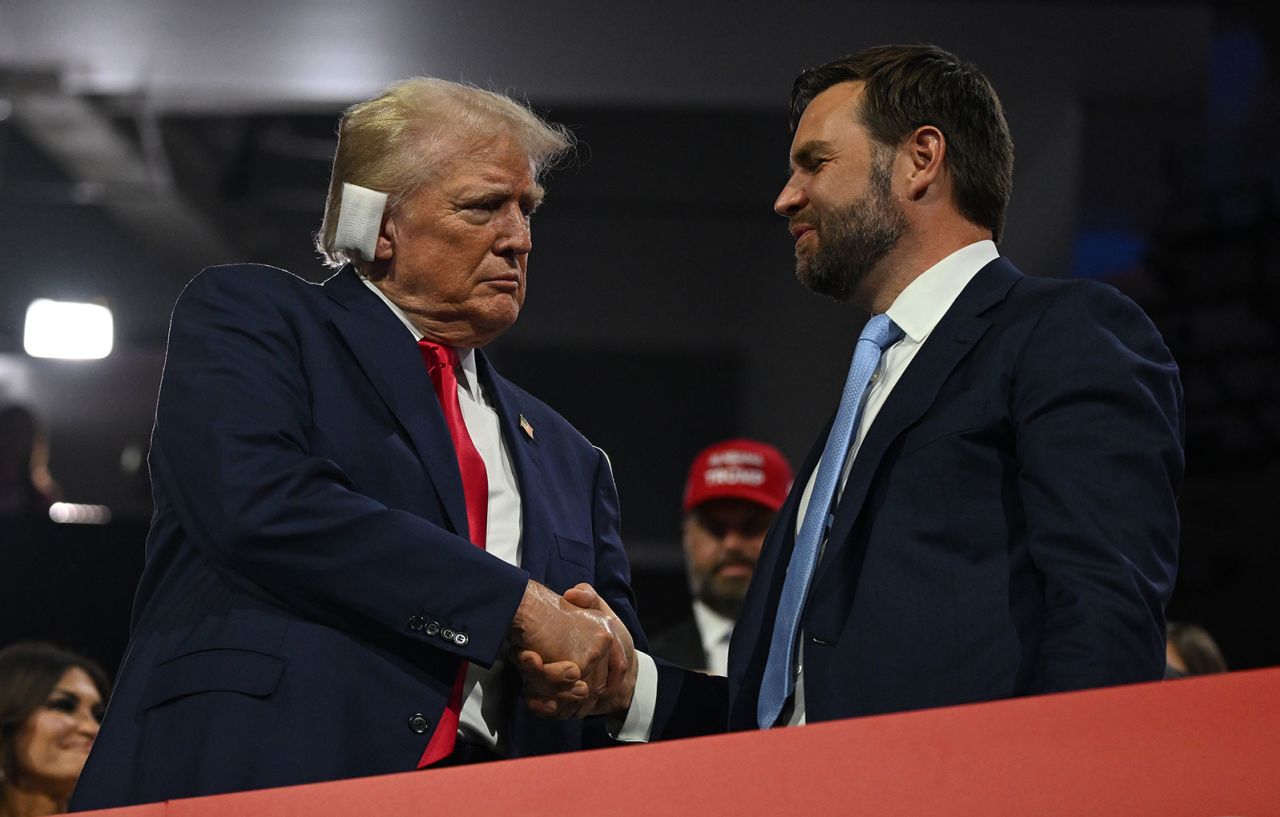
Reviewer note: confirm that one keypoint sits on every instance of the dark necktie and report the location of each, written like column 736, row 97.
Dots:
column 442, row 366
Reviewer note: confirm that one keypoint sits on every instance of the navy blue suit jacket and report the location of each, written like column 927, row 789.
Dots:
column 1009, row 525
column 309, row 527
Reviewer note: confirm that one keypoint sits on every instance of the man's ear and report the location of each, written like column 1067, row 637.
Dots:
column 925, row 148
column 384, row 249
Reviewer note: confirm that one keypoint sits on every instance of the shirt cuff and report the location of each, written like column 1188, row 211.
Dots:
column 639, row 719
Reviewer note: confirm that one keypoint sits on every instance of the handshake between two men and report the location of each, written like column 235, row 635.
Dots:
column 575, row 656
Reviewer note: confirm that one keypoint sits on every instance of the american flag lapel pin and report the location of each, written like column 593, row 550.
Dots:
column 526, row 427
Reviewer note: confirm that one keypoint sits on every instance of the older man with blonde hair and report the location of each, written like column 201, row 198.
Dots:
column 357, row 517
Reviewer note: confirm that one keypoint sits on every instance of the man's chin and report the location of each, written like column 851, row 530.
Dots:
column 496, row 315
column 727, row 590
column 804, row 274
column 819, row 283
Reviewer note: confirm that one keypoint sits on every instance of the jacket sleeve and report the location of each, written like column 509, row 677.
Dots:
column 1097, row 410
column 231, row 449
column 689, row 703
column 612, row 578
column 613, row 571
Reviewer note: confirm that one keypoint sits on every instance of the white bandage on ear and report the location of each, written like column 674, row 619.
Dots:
column 359, row 219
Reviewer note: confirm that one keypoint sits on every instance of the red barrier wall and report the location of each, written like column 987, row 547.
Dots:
column 1200, row 746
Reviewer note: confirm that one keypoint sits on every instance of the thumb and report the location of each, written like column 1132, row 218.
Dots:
column 585, row 596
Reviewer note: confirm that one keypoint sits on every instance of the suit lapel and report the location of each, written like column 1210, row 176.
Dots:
column 537, row 532
column 390, row 359
column 951, row 340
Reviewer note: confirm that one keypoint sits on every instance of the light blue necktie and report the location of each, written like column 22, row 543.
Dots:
column 779, row 681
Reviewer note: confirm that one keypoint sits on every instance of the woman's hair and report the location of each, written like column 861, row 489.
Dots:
column 29, row 671
column 1196, row 647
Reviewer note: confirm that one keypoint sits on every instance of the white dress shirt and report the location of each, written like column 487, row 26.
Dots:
column 916, row 310
column 715, row 630
column 485, row 696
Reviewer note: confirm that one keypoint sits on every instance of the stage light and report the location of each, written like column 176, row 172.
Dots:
column 68, row 330
column 71, row 513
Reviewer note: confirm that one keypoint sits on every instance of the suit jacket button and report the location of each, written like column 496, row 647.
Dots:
column 446, row 634
column 460, row 639
column 416, row 623
column 433, row 628
column 419, row 724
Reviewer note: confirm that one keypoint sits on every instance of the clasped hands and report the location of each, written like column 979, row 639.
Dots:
column 576, row 657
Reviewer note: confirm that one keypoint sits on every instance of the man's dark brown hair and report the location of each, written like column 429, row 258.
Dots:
column 908, row 86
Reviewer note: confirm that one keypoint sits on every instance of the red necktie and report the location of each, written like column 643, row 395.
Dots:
column 442, row 366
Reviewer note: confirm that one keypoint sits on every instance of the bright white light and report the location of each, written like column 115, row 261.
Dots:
column 68, row 330
column 70, row 513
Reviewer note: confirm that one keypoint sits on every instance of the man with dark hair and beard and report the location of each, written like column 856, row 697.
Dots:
column 733, row 490
column 992, row 511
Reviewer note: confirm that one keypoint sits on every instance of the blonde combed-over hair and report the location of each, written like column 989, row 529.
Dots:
column 393, row 143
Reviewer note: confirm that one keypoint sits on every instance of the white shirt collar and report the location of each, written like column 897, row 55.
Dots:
column 467, row 357
column 712, row 626
column 920, row 306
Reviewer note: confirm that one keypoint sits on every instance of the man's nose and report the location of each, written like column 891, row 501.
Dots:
column 791, row 200
column 734, row 540
column 516, row 236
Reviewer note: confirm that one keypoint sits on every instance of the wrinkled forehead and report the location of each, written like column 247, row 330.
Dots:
column 487, row 158
column 494, row 166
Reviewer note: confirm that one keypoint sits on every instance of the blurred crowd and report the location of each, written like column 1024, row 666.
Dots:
column 26, row 487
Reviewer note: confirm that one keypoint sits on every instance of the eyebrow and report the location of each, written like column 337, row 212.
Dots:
column 805, row 154
column 76, row 696
column 483, row 190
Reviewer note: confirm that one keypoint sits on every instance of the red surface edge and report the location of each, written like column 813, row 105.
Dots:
column 1198, row 746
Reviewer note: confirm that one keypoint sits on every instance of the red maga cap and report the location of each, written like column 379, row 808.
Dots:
column 738, row 469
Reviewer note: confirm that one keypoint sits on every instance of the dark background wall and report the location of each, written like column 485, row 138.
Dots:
column 138, row 145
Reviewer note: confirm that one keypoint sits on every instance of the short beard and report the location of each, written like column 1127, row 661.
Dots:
column 727, row 601
column 852, row 240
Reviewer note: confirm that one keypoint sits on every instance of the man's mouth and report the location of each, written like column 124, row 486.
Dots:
column 505, row 283
column 799, row 231
column 735, row 569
